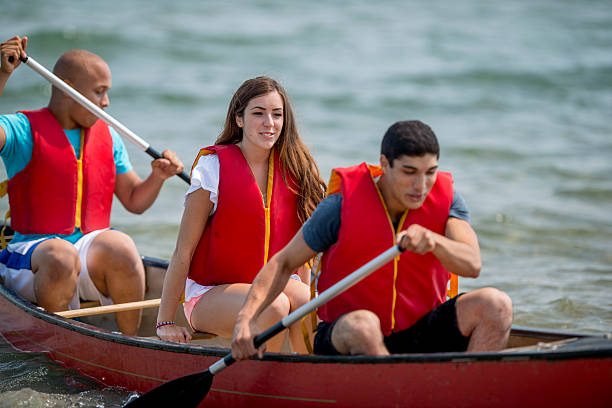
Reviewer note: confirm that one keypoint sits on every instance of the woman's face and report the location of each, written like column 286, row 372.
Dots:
column 262, row 121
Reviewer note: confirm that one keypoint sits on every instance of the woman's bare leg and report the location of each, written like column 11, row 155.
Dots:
column 298, row 294
column 217, row 309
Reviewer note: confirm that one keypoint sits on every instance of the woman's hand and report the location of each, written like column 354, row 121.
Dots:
column 174, row 333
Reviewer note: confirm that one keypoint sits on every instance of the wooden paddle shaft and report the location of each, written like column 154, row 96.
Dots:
column 120, row 307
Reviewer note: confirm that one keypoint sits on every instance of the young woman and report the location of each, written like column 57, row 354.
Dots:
column 250, row 193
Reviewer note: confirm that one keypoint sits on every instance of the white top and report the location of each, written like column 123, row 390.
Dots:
column 205, row 175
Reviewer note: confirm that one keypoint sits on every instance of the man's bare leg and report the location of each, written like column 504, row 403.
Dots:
column 359, row 333
column 56, row 267
column 485, row 315
column 115, row 267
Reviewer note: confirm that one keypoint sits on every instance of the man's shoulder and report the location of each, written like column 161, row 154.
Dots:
column 15, row 122
column 321, row 229
column 459, row 208
column 17, row 130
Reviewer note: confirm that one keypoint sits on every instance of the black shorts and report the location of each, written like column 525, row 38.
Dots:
column 435, row 332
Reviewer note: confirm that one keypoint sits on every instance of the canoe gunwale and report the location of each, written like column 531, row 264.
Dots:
column 603, row 350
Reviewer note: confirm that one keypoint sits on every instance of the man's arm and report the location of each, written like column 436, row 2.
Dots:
column 268, row 284
column 15, row 47
column 137, row 195
column 457, row 250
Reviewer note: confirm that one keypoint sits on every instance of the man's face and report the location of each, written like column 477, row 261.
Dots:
column 94, row 82
column 410, row 179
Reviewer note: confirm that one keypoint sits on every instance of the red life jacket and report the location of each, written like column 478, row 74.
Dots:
column 403, row 291
column 242, row 234
column 54, row 193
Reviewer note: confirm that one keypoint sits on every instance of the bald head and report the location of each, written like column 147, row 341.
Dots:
column 74, row 64
column 89, row 75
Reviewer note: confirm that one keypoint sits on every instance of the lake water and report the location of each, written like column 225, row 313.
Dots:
column 519, row 94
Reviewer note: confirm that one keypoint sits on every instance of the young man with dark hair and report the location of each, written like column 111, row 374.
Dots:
column 402, row 307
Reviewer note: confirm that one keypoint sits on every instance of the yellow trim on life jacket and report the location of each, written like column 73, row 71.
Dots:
column 395, row 269
column 3, row 188
column 313, row 290
column 453, row 289
column 267, row 204
column 306, row 334
column 313, row 294
column 396, row 259
column 201, row 153
column 2, row 233
column 79, row 203
column 334, row 183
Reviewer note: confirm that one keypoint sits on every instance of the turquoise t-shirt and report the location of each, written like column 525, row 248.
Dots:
column 17, row 153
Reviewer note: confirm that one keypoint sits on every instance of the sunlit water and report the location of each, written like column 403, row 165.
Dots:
column 519, row 94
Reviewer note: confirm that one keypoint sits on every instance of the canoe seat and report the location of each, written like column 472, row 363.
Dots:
column 90, row 303
column 202, row 336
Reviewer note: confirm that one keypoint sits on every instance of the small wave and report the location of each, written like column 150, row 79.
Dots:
column 575, row 309
column 479, row 77
column 491, row 153
column 29, row 398
column 57, row 41
column 164, row 97
column 601, row 195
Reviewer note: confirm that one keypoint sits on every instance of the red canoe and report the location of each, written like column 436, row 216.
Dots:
column 541, row 367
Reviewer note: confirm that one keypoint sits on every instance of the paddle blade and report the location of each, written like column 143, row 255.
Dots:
column 184, row 392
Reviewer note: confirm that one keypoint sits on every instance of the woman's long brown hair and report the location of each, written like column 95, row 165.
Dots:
column 293, row 154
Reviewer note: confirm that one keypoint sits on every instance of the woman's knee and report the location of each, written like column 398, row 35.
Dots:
column 298, row 293
column 277, row 310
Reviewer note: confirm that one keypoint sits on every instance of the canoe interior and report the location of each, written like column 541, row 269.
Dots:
column 520, row 337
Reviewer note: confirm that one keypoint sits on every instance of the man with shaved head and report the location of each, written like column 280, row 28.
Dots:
column 64, row 166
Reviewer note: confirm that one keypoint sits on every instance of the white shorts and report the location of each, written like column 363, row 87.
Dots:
column 16, row 270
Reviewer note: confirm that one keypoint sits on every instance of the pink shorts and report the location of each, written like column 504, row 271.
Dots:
column 200, row 291
column 190, row 304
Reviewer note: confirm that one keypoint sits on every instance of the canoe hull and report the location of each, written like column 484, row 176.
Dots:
column 579, row 377
column 512, row 381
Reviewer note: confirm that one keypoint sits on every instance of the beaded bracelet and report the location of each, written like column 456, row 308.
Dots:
column 168, row 323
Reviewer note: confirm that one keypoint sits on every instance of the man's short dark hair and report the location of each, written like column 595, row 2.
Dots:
column 410, row 138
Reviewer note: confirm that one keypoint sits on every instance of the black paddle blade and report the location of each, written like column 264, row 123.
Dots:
column 184, row 392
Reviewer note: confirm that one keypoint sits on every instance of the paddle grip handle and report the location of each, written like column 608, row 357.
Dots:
column 156, row 155
column 11, row 59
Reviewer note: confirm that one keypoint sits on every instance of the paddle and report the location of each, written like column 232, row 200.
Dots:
column 190, row 390
column 118, row 307
column 87, row 104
